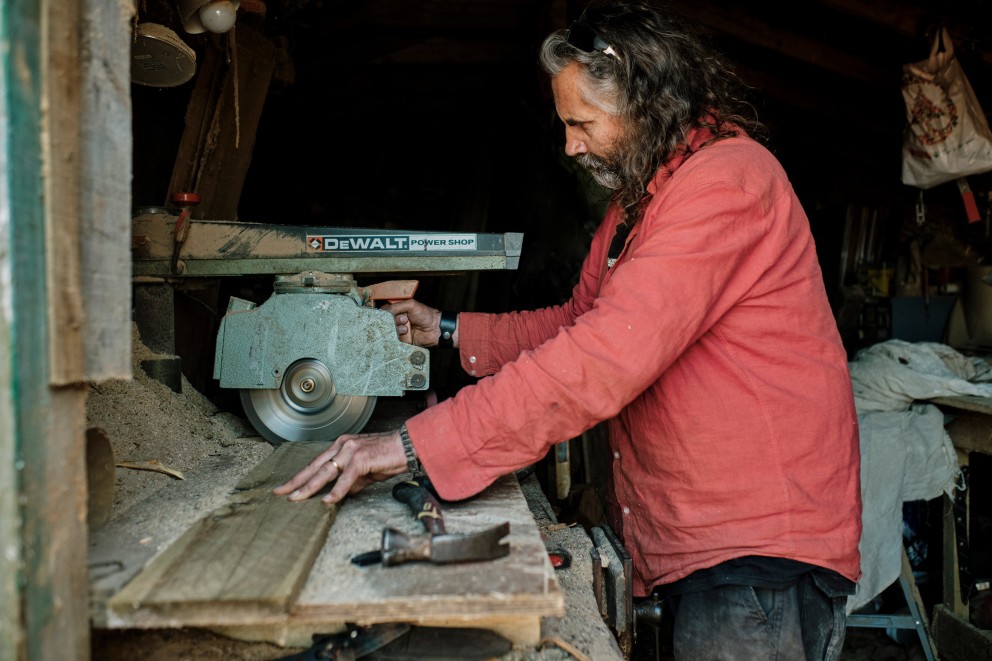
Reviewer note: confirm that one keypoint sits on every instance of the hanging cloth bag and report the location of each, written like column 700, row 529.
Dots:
column 947, row 136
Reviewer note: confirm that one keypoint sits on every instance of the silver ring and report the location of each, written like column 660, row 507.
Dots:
column 338, row 466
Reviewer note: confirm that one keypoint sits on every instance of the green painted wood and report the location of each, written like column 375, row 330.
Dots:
column 24, row 305
column 44, row 606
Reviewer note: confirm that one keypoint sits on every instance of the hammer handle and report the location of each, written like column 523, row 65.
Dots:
column 422, row 503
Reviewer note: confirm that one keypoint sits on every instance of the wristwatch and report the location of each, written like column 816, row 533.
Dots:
column 412, row 463
column 448, row 324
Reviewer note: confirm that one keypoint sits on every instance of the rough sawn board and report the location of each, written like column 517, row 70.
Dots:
column 244, row 561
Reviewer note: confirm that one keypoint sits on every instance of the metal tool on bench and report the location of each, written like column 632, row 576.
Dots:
column 403, row 642
column 613, row 587
column 437, row 545
column 312, row 359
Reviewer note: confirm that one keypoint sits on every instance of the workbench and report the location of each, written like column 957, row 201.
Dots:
column 206, row 566
column 969, row 424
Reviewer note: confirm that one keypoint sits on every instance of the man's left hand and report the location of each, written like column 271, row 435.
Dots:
column 353, row 462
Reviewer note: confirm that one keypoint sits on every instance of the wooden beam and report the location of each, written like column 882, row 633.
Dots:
column 42, row 517
column 907, row 20
column 61, row 126
column 104, row 201
column 741, row 24
column 221, row 120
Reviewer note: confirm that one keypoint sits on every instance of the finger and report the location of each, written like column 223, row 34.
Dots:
column 302, row 477
column 347, row 486
column 330, row 471
column 311, row 469
column 399, row 307
column 369, row 461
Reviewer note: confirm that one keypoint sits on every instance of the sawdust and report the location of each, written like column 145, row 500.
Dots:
column 145, row 420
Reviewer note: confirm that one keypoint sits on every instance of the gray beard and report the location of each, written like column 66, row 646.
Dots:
column 605, row 174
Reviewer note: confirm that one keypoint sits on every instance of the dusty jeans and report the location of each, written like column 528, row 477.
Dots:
column 733, row 622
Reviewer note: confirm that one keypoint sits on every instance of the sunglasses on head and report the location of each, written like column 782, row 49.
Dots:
column 585, row 38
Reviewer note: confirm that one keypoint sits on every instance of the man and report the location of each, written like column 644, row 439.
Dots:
column 700, row 329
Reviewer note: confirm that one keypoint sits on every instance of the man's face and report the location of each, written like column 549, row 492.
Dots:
column 591, row 133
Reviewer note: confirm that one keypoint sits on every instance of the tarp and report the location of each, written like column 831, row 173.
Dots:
column 906, row 454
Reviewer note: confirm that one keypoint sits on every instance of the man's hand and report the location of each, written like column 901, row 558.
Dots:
column 353, row 462
column 421, row 321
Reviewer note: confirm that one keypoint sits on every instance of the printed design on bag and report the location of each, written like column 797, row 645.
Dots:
column 934, row 115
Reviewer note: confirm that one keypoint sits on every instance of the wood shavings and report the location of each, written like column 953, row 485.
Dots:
column 571, row 649
column 152, row 465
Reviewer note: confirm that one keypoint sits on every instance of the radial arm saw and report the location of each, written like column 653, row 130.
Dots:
column 310, row 361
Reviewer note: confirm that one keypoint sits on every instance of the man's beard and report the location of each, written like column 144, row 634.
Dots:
column 605, row 173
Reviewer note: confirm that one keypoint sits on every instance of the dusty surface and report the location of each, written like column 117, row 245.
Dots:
column 148, row 424
column 146, row 421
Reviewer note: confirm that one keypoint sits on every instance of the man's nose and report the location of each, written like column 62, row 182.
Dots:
column 573, row 145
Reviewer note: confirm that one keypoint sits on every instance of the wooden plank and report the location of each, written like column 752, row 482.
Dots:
column 105, row 187
column 959, row 640
column 246, row 560
column 966, row 403
column 971, row 432
column 46, row 598
column 60, row 123
column 519, row 589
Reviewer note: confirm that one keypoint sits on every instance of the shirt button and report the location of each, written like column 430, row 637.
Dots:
column 471, row 359
column 472, row 372
column 616, row 455
column 626, row 510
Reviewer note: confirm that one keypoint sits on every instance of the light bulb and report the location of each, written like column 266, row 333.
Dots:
column 218, row 16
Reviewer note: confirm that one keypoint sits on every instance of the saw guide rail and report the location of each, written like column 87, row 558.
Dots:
column 212, row 248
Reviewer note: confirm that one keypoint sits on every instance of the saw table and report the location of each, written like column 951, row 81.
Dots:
column 257, row 568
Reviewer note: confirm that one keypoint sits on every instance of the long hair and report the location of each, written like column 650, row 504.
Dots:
column 664, row 80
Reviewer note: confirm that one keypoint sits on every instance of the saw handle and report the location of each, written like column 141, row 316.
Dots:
column 392, row 291
column 416, row 494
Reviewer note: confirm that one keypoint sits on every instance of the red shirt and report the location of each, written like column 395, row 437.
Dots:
column 711, row 349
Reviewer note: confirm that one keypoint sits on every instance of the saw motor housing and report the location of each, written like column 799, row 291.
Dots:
column 311, row 359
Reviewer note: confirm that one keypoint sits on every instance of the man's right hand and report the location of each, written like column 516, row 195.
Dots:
column 416, row 323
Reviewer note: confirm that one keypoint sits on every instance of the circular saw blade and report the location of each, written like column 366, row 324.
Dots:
column 306, row 406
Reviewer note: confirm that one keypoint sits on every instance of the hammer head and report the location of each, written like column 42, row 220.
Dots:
column 471, row 547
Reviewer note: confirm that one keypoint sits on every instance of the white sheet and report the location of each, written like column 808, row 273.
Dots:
column 906, row 454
